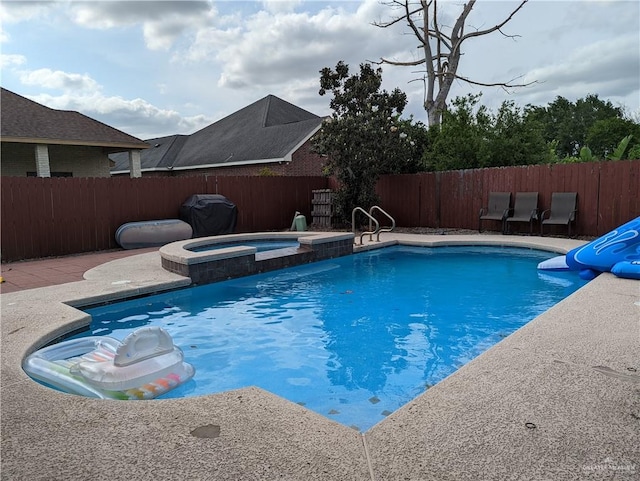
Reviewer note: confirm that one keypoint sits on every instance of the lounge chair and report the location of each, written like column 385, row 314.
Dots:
column 562, row 212
column 525, row 209
column 497, row 209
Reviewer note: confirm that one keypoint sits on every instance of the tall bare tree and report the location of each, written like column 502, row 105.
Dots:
column 441, row 48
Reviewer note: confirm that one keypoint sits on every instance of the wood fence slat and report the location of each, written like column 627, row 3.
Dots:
column 105, row 228
column 8, row 232
column 430, row 199
column 16, row 229
column 48, row 229
column 607, row 208
column 588, row 180
column 634, row 190
column 34, row 213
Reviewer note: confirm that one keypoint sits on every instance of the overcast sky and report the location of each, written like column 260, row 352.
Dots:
column 153, row 68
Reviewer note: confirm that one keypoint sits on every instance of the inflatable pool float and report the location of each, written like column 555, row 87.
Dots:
column 145, row 365
column 558, row 263
column 152, row 233
column 617, row 251
column 627, row 269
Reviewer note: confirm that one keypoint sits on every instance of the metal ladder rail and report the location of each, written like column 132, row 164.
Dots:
column 371, row 219
column 381, row 229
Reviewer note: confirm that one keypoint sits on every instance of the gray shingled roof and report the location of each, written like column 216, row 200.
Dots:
column 26, row 121
column 268, row 130
column 159, row 156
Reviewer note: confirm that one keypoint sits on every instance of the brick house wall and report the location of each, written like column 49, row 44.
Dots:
column 305, row 162
column 17, row 159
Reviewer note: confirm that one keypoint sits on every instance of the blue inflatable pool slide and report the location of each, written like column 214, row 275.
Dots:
column 617, row 252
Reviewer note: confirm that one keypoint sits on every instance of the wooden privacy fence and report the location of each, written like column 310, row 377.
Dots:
column 608, row 194
column 60, row 216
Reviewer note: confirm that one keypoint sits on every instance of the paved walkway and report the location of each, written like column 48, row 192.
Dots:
column 18, row 276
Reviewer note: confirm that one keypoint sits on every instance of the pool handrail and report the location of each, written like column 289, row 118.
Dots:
column 381, row 229
column 369, row 232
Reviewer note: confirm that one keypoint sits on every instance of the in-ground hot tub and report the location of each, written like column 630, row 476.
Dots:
column 202, row 261
column 261, row 245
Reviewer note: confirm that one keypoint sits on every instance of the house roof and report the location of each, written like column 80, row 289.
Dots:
column 159, row 156
column 26, row 121
column 268, row 130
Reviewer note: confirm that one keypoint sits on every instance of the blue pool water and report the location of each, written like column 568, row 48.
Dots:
column 260, row 245
column 352, row 338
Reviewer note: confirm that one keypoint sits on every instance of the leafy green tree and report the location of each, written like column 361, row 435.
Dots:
column 511, row 140
column 604, row 136
column 410, row 143
column 568, row 122
column 364, row 137
column 455, row 143
column 634, row 152
column 619, row 152
column 471, row 136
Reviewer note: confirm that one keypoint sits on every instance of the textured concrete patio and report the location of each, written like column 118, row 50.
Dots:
column 29, row 274
column 557, row 400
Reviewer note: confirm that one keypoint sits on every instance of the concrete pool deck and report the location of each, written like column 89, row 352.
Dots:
column 557, row 400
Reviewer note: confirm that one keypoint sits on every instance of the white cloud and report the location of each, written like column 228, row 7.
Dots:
column 162, row 22
column 281, row 5
column 13, row 12
column 82, row 93
column 275, row 48
column 9, row 61
column 207, row 43
column 612, row 16
column 134, row 116
column 589, row 70
column 56, row 79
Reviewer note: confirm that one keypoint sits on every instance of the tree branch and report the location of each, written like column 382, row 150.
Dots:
column 406, row 15
column 442, row 52
column 406, row 63
column 479, row 33
column 496, row 84
column 398, row 63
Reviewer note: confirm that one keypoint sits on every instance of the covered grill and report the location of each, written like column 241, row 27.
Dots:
column 209, row 214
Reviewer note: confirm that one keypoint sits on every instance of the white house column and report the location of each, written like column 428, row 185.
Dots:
column 42, row 161
column 135, row 168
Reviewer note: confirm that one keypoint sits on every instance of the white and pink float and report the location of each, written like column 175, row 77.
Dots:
column 145, row 365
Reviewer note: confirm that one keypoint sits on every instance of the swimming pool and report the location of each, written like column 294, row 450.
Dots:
column 352, row 338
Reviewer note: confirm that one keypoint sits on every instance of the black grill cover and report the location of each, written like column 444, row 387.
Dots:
column 209, row 214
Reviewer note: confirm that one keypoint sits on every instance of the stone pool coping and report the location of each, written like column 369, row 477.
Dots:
column 558, row 400
column 215, row 265
column 180, row 252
